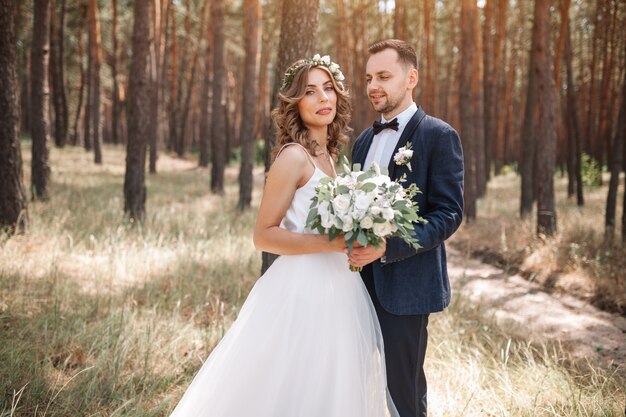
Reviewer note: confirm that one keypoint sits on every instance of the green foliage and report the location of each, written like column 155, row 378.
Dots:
column 259, row 154
column 591, row 171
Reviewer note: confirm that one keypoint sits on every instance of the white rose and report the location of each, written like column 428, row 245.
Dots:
column 340, row 77
column 362, row 201
column 375, row 210
column 341, row 204
column 388, row 213
column 367, row 223
column 380, row 229
column 347, row 223
column 316, row 57
column 333, row 67
column 326, row 59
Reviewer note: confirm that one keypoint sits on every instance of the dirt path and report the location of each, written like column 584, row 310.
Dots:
column 524, row 309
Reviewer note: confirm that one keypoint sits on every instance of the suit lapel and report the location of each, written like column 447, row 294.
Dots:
column 407, row 134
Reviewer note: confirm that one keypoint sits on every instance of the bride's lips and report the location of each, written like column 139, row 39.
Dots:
column 324, row 111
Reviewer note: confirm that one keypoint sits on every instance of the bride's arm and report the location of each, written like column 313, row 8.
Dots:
column 290, row 170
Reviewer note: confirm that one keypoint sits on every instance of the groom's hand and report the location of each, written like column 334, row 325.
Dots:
column 363, row 255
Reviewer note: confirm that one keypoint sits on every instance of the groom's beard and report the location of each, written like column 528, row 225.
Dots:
column 387, row 106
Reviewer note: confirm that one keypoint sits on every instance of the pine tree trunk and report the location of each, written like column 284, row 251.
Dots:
column 218, row 121
column 546, row 143
column 13, row 206
column 469, row 126
column 252, row 18
column 138, row 113
column 115, row 102
column 400, row 27
column 573, row 120
column 491, row 82
column 616, row 168
column 39, row 99
column 173, row 80
column 59, row 100
column 298, row 39
column 81, row 86
column 528, row 129
column 205, row 128
column 94, row 80
column 159, row 19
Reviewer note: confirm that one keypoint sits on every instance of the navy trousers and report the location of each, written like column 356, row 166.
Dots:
column 405, row 339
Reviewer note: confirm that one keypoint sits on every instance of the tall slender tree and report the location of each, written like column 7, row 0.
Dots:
column 252, row 18
column 616, row 166
column 57, row 78
column 13, row 206
column 528, row 130
column 39, row 121
column 468, row 96
column 138, row 113
column 546, row 129
column 114, row 64
column 218, row 119
column 92, row 113
column 572, row 122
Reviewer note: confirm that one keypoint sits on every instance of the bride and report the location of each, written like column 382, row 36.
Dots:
column 307, row 342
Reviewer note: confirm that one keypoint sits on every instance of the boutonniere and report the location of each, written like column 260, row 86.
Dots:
column 403, row 156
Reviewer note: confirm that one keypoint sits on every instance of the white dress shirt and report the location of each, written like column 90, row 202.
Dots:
column 384, row 143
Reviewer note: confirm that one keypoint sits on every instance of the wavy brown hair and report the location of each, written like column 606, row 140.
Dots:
column 289, row 125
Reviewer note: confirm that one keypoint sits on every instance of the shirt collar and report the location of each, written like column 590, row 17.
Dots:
column 404, row 117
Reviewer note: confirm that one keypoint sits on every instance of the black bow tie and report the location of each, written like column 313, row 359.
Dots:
column 379, row 127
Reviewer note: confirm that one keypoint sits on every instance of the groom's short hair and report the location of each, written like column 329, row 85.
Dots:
column 406, row 53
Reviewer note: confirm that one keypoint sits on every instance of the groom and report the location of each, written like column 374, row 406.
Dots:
column 405, row 284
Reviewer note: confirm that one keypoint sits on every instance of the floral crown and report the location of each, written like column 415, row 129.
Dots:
column 316, row 61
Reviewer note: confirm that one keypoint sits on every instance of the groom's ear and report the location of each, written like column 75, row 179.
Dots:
column 413, row 78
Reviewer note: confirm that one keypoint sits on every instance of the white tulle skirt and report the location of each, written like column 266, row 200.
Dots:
column 306, row 343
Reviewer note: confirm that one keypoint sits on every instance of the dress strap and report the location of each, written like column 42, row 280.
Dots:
column 303, row 148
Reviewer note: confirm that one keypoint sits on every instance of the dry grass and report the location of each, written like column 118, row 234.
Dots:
column 576, row 260
column 98, row 318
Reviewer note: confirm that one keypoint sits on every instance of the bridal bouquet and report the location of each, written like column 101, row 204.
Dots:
column 365, row 206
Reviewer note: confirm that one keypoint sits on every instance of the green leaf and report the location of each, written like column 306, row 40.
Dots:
column 361, row 238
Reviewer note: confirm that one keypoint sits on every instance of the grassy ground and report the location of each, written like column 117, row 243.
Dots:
column 576, row 260
column 98, row 318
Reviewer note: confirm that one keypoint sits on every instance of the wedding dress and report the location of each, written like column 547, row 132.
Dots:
column 306, row 343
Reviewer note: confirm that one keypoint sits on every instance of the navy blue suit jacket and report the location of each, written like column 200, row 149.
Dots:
column 416, row 281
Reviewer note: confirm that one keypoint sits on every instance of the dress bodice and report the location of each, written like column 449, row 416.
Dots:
column 298, row 211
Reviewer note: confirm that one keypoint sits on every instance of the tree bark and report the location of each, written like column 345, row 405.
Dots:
column 159, row 19
column 467, row 100
column 490, row 41
column 173, row 80
column 252, row 18
column 39, row 100
column 13, row 205
column 138, row 113
column 93, row 75
column 205, row 127
column 59, row 100
column 616, row 168
column 115, row 102
column 218, row 119
column 546, row 145
column 400, row 27
column 572, row 116
column 81, row 86
column 528, row 129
